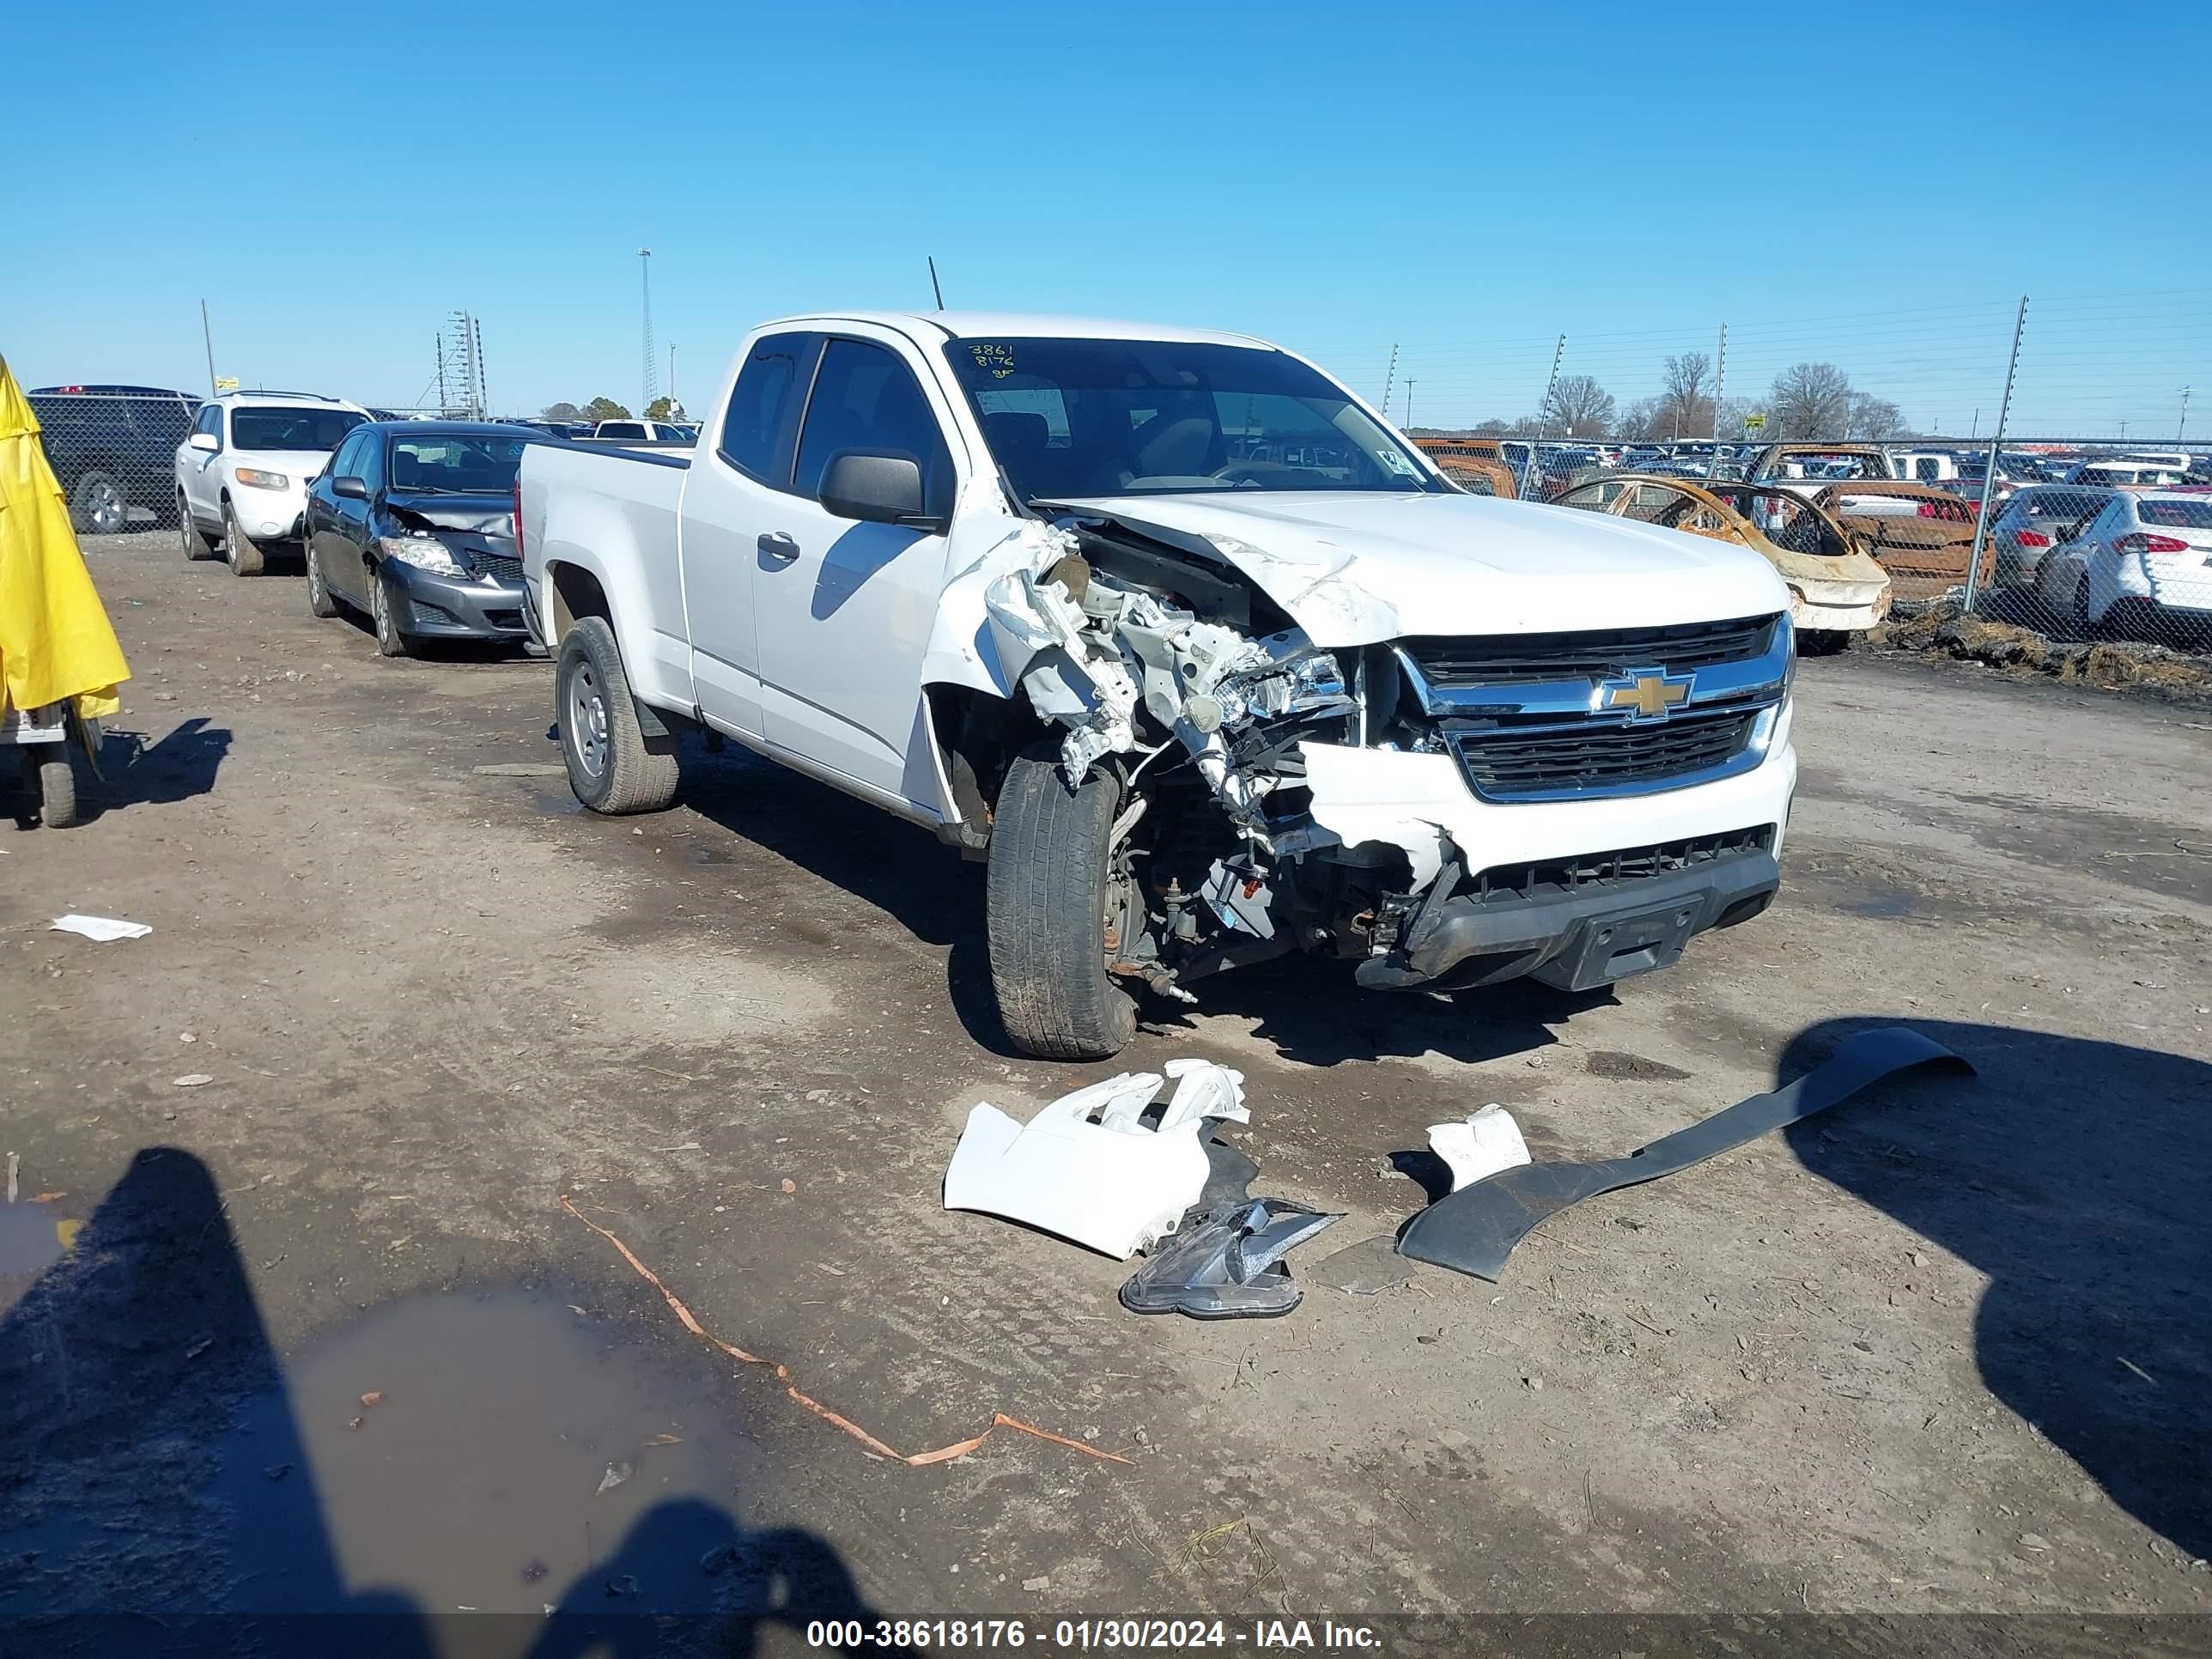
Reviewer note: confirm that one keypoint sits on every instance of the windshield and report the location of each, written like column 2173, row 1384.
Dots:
column 277, row 428
column 456, row 464
column 1071, row 418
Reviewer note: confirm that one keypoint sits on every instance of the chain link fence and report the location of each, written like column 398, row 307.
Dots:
column 114, row 451
column 2073, row 505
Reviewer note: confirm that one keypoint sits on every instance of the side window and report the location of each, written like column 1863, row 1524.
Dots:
column 866, row 398
column 370, row 461
column 346, row 464
column 210, row 421
column 757, row 429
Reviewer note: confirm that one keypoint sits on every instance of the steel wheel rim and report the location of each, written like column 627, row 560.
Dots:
column 381, row 603
column 586, row 725
column 314, row 576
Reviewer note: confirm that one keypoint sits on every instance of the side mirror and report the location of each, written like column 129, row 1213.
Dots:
column 352, row 488
column 206, row 442
column 877, row 488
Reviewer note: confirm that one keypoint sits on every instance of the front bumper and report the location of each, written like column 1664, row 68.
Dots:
column 269, row 516
column 455, row 607
column 1419, row 802
column 1576, row 939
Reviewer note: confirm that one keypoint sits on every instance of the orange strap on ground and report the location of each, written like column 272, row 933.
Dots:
column 942, row 1455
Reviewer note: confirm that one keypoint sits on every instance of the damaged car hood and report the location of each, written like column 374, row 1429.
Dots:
column 491, row 516
column 1359, row 569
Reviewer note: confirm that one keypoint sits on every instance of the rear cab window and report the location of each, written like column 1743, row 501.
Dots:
column 761, row 425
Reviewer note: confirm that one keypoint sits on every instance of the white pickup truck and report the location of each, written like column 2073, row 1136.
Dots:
column 1207, row 661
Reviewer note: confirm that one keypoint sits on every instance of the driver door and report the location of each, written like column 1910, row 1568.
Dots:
column 844, row 609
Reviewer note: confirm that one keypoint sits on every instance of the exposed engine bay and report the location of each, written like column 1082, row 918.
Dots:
column 1202, row 694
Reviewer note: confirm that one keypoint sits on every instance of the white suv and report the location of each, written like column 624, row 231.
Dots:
column 242, row 473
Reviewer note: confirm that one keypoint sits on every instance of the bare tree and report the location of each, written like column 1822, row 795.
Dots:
column 1809, row 400
column 1685, row 404
column 1579, row 404
column 1875, row 419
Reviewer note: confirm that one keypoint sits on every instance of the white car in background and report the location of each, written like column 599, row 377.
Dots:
column 2144, row 561
column 643, row 432
column 2126, row 472
column 242, row 473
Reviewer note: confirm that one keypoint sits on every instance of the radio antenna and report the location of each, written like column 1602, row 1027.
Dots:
column 934, row 288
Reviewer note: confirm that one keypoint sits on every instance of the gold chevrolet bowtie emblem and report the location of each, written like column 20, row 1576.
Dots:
column 1647, row 693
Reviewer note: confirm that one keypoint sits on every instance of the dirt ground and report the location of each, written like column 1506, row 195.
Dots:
column 1947, row 1348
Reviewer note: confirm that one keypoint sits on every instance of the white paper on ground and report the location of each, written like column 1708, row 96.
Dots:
column 103, row 929
column 1488, row 1142
column 1115, row 1185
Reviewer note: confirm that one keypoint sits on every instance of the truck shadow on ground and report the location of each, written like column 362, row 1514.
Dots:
column 1308, row 1008
column 2072, row 1173
column 162, row 1471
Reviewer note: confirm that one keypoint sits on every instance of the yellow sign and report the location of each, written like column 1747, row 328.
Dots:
column 226, row 383
column 1650, row 695
column 1754, row 421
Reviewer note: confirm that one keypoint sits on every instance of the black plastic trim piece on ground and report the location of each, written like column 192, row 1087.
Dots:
column 1474, row 1230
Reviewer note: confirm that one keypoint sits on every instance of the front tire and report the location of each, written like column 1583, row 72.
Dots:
column 246, row 558
column 1046, row 899
column 611, row 766
column 196, row 545
column 390, row 641
column 320, row 602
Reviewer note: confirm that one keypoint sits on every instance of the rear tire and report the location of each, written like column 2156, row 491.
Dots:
column 320, row 602
column 613, row 767
column 246, row 558
column 48, row 770
column 1047, row 893
column 196, row 545
column 1823, row 642
column 100, row 505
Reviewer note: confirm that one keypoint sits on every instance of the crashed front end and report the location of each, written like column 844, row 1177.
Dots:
column 1573, row 806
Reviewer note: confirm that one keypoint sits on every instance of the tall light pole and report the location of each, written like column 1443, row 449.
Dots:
column 2184, row 426
column 645, row 297
column 1409, row 403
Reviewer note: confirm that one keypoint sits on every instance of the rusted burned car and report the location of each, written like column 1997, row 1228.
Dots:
column 1477, row 465
column 1923, row 535
column 1836, row 589
column 1805, row 469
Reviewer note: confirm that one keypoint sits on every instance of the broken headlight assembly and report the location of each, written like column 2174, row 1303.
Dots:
column 423, row 552
column 260, row 480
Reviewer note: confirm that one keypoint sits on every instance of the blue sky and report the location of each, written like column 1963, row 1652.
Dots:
column 333, row 181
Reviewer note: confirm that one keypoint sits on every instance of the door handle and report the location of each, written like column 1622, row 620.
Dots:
column 779, row 547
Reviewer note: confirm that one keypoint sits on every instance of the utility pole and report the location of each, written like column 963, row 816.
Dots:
column 1720, row 381
column 1389, row 379
column 207, row 339
column 484, row 389
column 672, row 374
column 1409, row 403
column 1543, row 415
column 2184, row 426
column 1996, row 449
column 645, row 300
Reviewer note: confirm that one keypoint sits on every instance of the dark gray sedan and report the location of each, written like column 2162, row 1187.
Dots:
column 413, row 523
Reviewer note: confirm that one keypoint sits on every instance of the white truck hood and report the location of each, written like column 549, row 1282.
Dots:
column 1359, row 569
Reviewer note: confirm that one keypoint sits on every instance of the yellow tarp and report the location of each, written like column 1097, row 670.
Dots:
column 55, row 638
